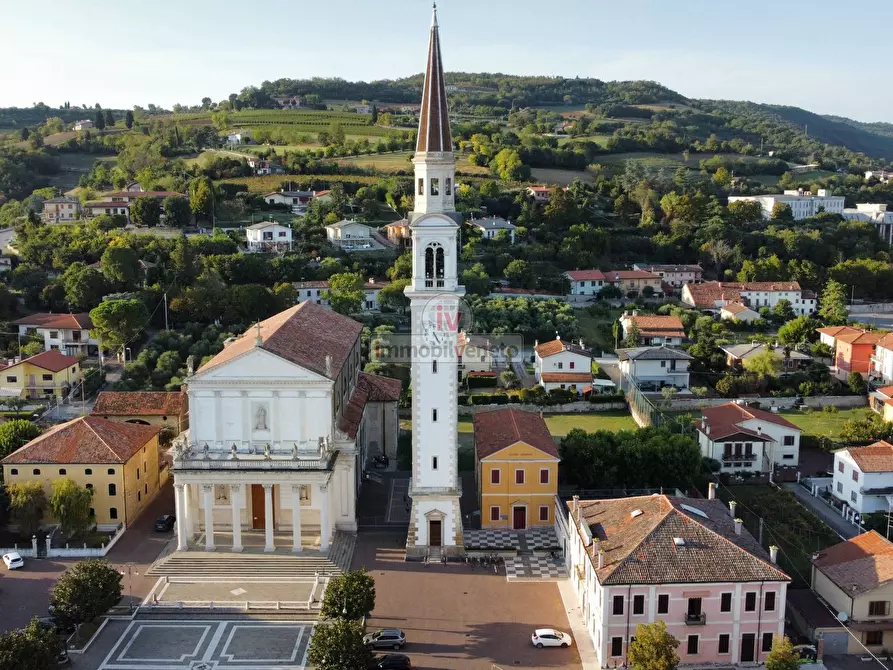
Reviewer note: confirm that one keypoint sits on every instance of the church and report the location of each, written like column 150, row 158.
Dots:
column 283, row 421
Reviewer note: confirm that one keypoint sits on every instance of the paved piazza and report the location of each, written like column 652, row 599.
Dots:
column 188, row 644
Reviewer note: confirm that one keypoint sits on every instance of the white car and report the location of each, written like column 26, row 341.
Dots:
column 13, row 561
column 549, row 637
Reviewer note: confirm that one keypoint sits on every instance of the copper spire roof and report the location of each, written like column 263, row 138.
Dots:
column 434, row 117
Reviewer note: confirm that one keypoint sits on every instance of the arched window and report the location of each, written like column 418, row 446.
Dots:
column 433, row 265
column 439, row 266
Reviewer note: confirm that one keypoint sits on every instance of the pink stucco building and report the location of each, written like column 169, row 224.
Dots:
column 687, row 562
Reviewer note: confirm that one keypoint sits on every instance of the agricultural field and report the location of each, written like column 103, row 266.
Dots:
column 389, row 162
column 558, row 176
column 272, row 182
column 73, row 166
column 598, row 139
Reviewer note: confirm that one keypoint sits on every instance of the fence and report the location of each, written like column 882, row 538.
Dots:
column 580, row 407
column 841, row 401
column 66, row 552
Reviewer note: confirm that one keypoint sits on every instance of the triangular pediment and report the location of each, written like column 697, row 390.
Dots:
column 257, row 364
column 433, row 221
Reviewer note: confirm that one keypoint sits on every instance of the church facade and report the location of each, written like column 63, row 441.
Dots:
column 435, row 301
column 282, row 421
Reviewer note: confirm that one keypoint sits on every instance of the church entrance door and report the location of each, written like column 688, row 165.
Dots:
column 435, row 534
column 258, row 509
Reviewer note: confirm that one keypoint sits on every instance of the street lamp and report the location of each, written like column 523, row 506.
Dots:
column 130, row 572
column 128, row 351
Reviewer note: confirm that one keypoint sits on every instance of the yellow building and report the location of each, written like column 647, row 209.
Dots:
column 516, row 466
column 118, row 461
column 49, row 373
column 149, row 408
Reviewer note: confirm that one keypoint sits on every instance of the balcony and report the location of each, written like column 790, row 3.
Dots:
column 748, row 458
column 695, row 619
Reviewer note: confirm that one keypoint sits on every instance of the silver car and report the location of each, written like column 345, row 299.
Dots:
column 385, row 638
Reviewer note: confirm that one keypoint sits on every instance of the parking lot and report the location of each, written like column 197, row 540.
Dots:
column 456, row 617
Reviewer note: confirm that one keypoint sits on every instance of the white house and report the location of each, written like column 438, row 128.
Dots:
column 736, row 311
column 790, row 359
column 882, row 368
column 863, row 477
column 315, row 291
column 351, row 236
column 364, row 109
column 654, row 330
column 830, row 334
column 540, row 194
column 280, row 427
column 69, row 333
column 293, row 199
column 687, row 562
column 235, row 139
column 748, row 439
column 655, row 367
column 61, row 210
column 586, row 282
column 491, row 226
column 269, row 236
column 802, row 203
column 713, row 295
column 674, row 275
column 883, row 175
column 562, row 365
column 83, row 125
column 876, row 213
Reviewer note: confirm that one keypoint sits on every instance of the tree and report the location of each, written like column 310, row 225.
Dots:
column 519, row 273
column 781, row 211
column 509, row 379
column 345, row 293
column 353, row 591
column 856, row 382
column 476, row 280
column 339, row 646
column 392, row 296
column 128, row 119
column 783, row 655
column 832, row 308
column 117, row 322
column 653, row 648
column 610, row 292
column 84, row 286
column 120, row 265
column 201, row 197
column 16, row 434
column 99, row 120
column 633, row 336
column 109, row 118
column 722, row 177
column 71, row 506
column 668, row 393
column 145, row 212
column 402, row 267
column 798, row 330
column 35, row 141
column 24, row 133
column 27, row 503
column 177, row 211
column 86, row 591
column 764, row 364
column 34, row 647
column 783, row 310
column 508, row 166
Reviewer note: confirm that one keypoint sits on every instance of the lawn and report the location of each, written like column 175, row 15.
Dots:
column 272, row 182
column 824, row 424
column 558, row 176
column 596, row 330
column 598, row 139
column 390, row 162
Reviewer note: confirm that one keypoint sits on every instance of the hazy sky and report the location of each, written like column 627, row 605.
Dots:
column 819, row 55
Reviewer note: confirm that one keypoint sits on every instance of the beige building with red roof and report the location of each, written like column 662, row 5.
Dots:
column 687, row 562
column 591, row 282
column 149, row 408
column 713, row 295
column 49, row 374
column 117, row 461
column 855, row 578
column 69, row 333
column 564, row 365
column 748, row 439
column 280, row 430
column 516, row 468
column 654, row 329
column 863, row 478
column 736, row 311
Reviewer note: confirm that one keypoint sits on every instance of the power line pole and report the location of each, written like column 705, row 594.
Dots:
column 761, row 532
column 165, row 312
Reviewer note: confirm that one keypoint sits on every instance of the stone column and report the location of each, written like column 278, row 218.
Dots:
column 234, row 492
column 296, row 517
column 180, row 507
column 324, row 517
column 268, row 518
column 208, row 491
column 187, row 513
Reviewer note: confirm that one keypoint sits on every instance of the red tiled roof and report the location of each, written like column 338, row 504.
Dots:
column 142, row 194
column 311, row 284
column 304, row 335
column 643, row 549
column 877, row 457
column 102, row 203
column 651, row 326
column 381, row 388
column 585, row 275
column 834, row 331
column 52, row 360
column 885, row 390
column 735, row 308
column 620, row 275
column 140, row 403
column 352, row 414
column 861, row 337
column 707, row 294
column 434, row 115
column 858, row 565
column 501, row 428
column 557, row 346
column 886, row 342
column 50, row 320
column 567, row 377
column 723, row 420
column 88, row 439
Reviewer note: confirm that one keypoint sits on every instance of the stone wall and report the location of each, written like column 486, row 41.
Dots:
column 580, row 407
column 694, row 404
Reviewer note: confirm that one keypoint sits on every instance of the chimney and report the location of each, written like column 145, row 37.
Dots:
column 732, row 506
column 635, row 312
column 581, row 343
column 773, row 554
column 601, row 560
column 328, row 365
column 711, row 491
column 738, row 524
column 536, row 343
column 574, row 502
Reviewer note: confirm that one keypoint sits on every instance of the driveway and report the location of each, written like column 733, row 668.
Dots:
column 25, row 593
column 456, row 617
column 825, row 512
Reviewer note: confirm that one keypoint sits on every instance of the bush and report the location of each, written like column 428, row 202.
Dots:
column 86, row 591
column 606, row 398
column 476, row 381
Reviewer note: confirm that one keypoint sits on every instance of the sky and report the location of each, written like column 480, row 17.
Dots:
column 817, row 55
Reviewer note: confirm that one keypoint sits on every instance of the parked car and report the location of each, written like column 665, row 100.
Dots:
column 807, row 652
column 13, row 560
column 392, row 662
column 385, row 638
column 549, row 637
column 165, row 523
column 56, row 624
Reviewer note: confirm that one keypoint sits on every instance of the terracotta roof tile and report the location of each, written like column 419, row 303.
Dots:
column 861, row 337
column 52, row 360
column 724, row 420
column 877, row 457
column 834, row 331
column 886, row 342
column 501, row 428
column 567, row 377
column 49, row 320
column 140, row 403
column 658, row 326
column 352, row 414
column 858, row 565
column 735, row 308
column 88, row 439
column 304, row 335
column 381, row 388
column 557, row 346
column 642, row 549
column 707, row 294
column 585, row 275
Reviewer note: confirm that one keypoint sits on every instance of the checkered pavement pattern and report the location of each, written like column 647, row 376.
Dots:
column 534, row 567
column 538, row 539
column 491, row 538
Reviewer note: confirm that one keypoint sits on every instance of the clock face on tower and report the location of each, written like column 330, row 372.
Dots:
column 443, row 317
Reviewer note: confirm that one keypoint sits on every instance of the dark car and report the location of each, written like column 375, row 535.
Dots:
column 392, row 662
column 165, row 523
column 56, row 624
column 385, row 638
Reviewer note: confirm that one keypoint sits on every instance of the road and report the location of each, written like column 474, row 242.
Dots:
column 827, row 514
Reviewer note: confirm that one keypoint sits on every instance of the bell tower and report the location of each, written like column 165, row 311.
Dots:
column 435, row 526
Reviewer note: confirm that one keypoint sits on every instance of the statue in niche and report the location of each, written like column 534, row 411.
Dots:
column 221, row 494
column 260, row 422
